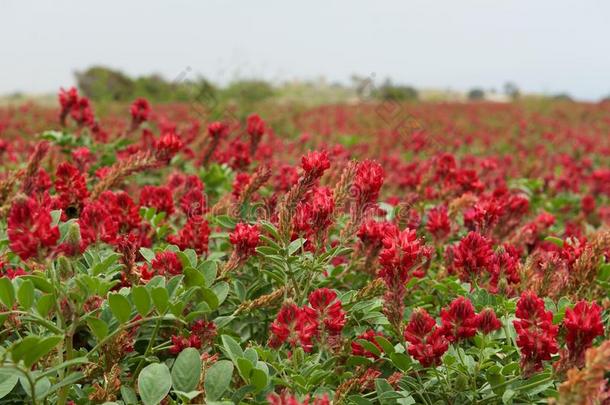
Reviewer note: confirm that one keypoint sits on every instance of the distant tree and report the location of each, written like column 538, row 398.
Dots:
column 390, row 91
column 562, row 97
column 104, row 84
column 476, row 94
column 248, row 91
column 511, row 90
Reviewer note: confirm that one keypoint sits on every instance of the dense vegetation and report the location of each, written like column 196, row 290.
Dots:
column 351, row 254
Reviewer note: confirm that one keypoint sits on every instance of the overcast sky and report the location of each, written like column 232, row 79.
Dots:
column 542, row 45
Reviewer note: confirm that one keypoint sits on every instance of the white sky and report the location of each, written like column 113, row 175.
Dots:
column 542, row 45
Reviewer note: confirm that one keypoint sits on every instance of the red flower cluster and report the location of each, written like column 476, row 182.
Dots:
column 314, row 215
column 427, row 342
column 194, row 235
column 286, row 399
column 401, row 258
column 218, row 129
column 140, row 111
column 460, row 321
column 536, row 334
column 324, row 317
column 71, row 188
column 163, row 263
column 438, row 223
column 367, row 183
column 293, row 326
column 245, row 238
column 359, row 350
column 29, row 227
column 78, row 108
column 472, row 257
column 325, row 311
column 583, row 324
column 167, row 146
column 315, row 163
column 202, row 333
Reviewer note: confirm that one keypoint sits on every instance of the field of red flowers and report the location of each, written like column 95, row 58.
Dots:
column 378, row 253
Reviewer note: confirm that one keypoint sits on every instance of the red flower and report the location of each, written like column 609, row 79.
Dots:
column 588, row 204
column 583, row 324
column 71, row 188
column 179, row 343
column 97, row 223
column 167, row 263
column 359, row 350
column 240, row 183
column 218, row 129
column 315, row 163
column 314, row 216
column 402, row 257
column 83, row 158
column 167, row 146
column 82, row 113
column 367, row 182
column 29, row 227
column 204, row 330
column 427, row 343
column 371, row 233
column 160, row 197
column 140, row 111
column 438, row 222
column 194, row 235
column 487, row 321
column 536, row 334
column 245, row 239
column 459, row 321
column 325, row 309
column 292, row 326
column 256, row 125
column 285, row 399
column 67, row 100
column 471, row 257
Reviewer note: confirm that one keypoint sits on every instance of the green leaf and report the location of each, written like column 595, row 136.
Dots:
column 193, row 277
column 259, row 378
column 186, row 370
column 25, row 295
column 160, row 297
column 8, row 380
column 154, row 383
column 295, row 245
column 369, row 346
column 128, row 395
column 188, row 258
column 210, row 297
column 508, row 396
column 41, row 387
column 120, row 307
column 141, row 299
column 31, row 348
column 244, row 366
column 232, row 348
column 147, row 254
column 44, row 304
column 554, row 240
column 217, row 379
column 209, row 270
column 401, row 361
column 387, row 347
column 7, row 292
column 496, row 380
column 98, row 327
